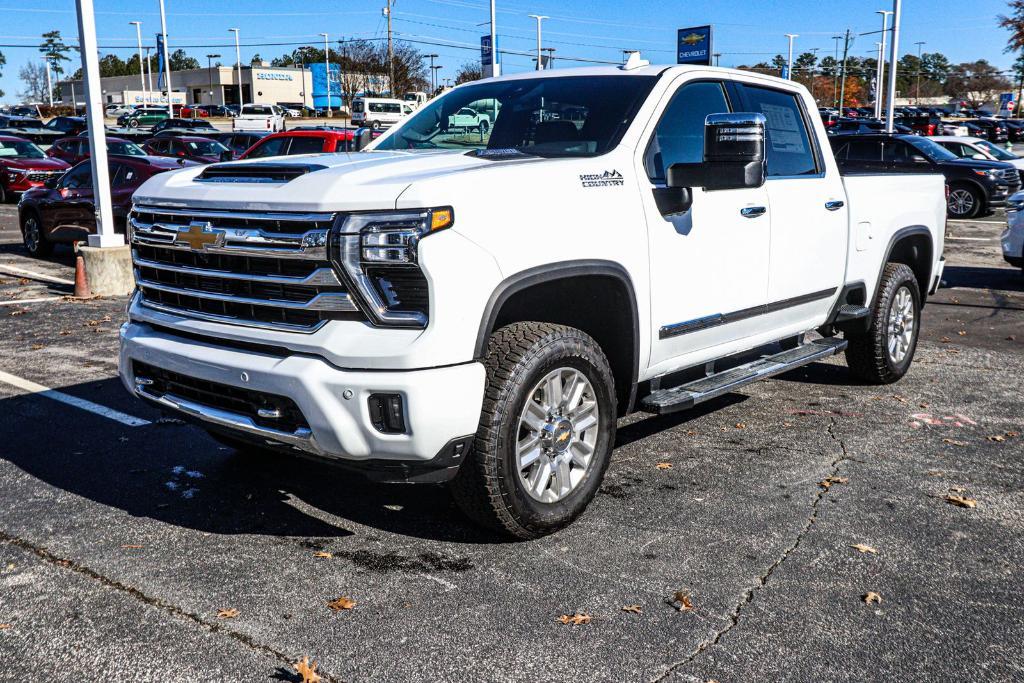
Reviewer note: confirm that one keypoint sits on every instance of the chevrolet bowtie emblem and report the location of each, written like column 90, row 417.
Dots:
column 693, row 39
column 562, row 437
column 199, row 236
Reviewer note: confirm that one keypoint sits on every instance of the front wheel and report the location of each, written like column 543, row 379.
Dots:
column 963, row 202
column 884, row 353
column 546, row 431
column 33, row 238
column 483, row 126
column 132, row 123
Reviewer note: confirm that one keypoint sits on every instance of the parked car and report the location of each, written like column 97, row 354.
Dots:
column 922, row 123
column 469, row 119
column 265, row 117
column 62, row 210
column 192, row 127
column 482, row 311
column 43, row 133
column 74, row 150
column 1012, row 239
column 30, row 111
column 202, row 150
column 379, row 112
column 24, row 166
column 955, row 128
column 115, row 110
column 996, row 130
column 143, row 116
column 974, row 185
column 234, row 109
column 864, row 125
column 241, row 141
column 215, row 111
column 976, row 148
column 193, row 111
column 1015, row 129
column 303, row 140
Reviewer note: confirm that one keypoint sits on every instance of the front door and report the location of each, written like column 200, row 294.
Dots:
column 709, row 265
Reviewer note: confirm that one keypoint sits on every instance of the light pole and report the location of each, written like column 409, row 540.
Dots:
column 167, row 61
column 917, row 98
column 433, row 85
column 148, row 99
column 209, row 69
column 890, row 105
column 716, row 56
column 49, row 83
column 551, row 57
column 835, row 73
column 142, row 71
column 494, row 44
column 238, row 61
column 437, row 77
column 789, row 68
column 881, row 65
column 814, row 51
column 327, row 70
column 539, row 18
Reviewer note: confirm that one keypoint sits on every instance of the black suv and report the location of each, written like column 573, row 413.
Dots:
column 171, row 127
column 996, row 130
column 973, row 185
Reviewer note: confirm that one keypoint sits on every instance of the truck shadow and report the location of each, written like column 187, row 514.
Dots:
column 983, row 277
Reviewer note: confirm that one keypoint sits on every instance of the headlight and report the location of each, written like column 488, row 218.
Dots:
column 377, row 254
column 986, row 173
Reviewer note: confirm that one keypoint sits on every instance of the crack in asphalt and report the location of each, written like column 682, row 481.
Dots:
column 762, row 580
column 213, row 627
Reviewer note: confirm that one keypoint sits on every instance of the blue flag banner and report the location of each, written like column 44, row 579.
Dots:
column 160, row 61
column 693, row 45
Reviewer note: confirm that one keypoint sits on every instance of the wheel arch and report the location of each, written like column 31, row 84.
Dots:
column 913, row 247
column 553, row 293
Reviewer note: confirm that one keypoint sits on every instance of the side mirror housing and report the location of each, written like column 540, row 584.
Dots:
column 734, row 155
column 979, row 156
column 227, row 155
column 361, row 139
column 51, row 182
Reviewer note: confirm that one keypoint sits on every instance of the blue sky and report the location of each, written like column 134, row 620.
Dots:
column 745, row 31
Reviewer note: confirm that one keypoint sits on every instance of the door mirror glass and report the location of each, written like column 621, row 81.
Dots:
column 734, row 155
column 979, row 156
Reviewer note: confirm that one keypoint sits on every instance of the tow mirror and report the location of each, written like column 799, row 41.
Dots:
column 361, row 139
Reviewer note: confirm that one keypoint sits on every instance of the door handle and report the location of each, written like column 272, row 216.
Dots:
column 834, row 205
column 753, row 211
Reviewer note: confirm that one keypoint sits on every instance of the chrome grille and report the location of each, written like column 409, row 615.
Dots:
column 259, row 269
column 42, row 176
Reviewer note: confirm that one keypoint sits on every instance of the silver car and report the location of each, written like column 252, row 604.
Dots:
column 1013, row 237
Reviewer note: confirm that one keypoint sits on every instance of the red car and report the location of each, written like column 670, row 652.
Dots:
column 190, row 111
column 76, row 149
column 303, row 140
column 192, row 147
column 24, row 166
column 63, row 211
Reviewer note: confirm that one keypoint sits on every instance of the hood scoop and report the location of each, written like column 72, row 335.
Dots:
column 255, row 173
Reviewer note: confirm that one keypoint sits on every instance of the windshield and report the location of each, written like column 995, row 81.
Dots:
column 551, row 117
column 19, row 149
column 996, row 151
column 257, row 110
column 932, row 150
column 205, row 147
column 128, row 149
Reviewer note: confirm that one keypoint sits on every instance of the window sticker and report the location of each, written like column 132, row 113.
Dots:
column 784, row 129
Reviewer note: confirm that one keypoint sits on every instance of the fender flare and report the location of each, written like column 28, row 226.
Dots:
column 897, row 237
column 561, row 270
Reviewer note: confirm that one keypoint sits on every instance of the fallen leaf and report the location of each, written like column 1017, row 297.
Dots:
column 307, row 670
column 1012, row 434
column 36, row 347
column 1011, row 338
column 899, row 398
column 998, row 438
column 962, row 501
column 864, row 548
column 227, row 613
column 945, row 340
column 664, row 465
column 827, row 482
column 962, row 333
column 681, row 601
column 740, row 425
column 954, row 442
column 23, row 281
column 635, row 609
column 65, row 333
column 341, row 603
column 131, row 547
column 871, row 597
column 20, row 311
column 4, row 627
column 575, row 619
column 321, row 553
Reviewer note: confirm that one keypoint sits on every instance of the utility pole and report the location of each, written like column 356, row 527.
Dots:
column 539, row 18
column 238, row 61
column 551, row 57
column 148, row 99
column 49, row 83
column 814, row 51
column 437, row 78
column 880, row 78
column 890, row 105
column 789, row 67
column 433, row 85
column 142, row 70
column 835, row 72
column 842, row 86
column 167, row 61
column 209, row 69
column 494, row 44
column 391, row 54
column 716, row 55
column 327, row 69
column 917, row 98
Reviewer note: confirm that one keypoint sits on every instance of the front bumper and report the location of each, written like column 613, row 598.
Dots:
column 442, row 405
column 1012, row 239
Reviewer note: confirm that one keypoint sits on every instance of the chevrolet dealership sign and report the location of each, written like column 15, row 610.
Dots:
column 693, row 45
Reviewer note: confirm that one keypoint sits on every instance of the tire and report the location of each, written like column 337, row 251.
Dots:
column 482, row 127
column 33, row 238
column 5, row 196
column 883, row 354
column 493, row 487
column 375, row 125
column 964, row 202
column 132, row 123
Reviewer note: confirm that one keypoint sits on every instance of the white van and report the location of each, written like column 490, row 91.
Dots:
column 379, row 112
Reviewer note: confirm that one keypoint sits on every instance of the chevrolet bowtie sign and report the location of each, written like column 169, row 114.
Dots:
column 199, row 236
column 693, row 45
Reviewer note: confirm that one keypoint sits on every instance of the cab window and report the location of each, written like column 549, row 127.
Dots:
column 679, row 137
column 787, row 142
column 78, row 178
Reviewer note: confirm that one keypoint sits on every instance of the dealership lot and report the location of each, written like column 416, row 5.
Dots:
column 128, row 539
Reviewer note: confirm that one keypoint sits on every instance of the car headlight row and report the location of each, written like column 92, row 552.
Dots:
column 377, row 254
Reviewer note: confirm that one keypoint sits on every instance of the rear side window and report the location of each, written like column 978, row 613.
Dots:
column 270, row 148
column 679, row 137
column 788, row 144
column 861, row 150
column 306, row 145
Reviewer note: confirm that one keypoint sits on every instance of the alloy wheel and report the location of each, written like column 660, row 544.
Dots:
column 961, row 202
column 902, row 323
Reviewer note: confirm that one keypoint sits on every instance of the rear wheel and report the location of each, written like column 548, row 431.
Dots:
column 963, row 202
column 33, row 238
column 884, row 353
column 375, row 125
column 546, row 431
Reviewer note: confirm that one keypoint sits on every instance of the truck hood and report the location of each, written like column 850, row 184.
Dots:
column 333, row 182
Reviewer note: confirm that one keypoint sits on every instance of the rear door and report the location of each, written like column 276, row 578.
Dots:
column 807, row 202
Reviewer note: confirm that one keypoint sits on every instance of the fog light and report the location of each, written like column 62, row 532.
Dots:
column 387, row 413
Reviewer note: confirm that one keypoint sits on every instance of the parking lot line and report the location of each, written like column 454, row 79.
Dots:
column 12, row 270
column 968, row 222
column 18, row 302
column 971, row 239
column 81, row 403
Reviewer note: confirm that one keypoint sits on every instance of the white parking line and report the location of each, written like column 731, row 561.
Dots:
column 109, row 413
column 18, row 302
column 968, row 222
column 11, row 270
column 971, row 239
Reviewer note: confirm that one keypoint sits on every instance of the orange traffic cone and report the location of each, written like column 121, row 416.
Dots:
column 81, row 283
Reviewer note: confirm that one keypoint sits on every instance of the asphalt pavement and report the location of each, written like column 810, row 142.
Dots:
column 742, row 537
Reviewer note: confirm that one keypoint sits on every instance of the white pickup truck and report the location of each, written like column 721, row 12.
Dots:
column 481, row 309
column 265, row 117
